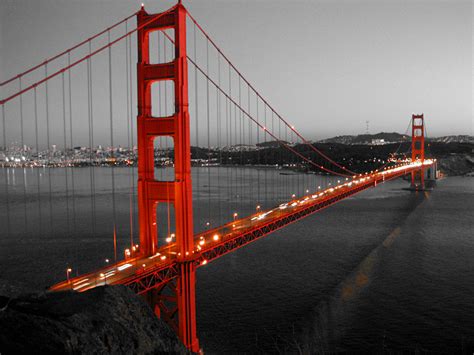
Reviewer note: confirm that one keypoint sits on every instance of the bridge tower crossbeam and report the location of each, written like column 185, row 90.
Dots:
column 175, row 301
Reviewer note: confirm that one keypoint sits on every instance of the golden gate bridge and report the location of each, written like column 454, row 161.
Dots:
column 181, row 77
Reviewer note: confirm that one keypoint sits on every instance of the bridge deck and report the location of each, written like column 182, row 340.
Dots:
column 147, row 272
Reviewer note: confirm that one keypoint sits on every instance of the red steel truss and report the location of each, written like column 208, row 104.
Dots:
column 162, row 274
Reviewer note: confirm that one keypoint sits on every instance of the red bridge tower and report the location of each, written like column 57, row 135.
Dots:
column 174, row 302
column 418, row 150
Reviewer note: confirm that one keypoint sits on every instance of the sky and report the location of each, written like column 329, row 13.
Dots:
column 326, row 66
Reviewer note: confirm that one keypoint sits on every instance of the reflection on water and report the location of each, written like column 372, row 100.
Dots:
column 385, row 270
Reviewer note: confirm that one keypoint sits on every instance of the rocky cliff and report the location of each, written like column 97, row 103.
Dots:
column 105, row 320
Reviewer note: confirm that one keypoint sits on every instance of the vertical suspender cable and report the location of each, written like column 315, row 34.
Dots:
column 236, row 143
column 231, row 151
column 258, row 153
column 92, row 144
column 65, row 152
column 208, row 141
column 49, row 152
column 73, row 187
column 294, row 160
column 236, row 174
column 128, row 120
column 7, row 198
column 227, row 133
column 47, row 111
column 132, row 200
column 112, row 148
column 126, row 85
column 272, row 164
column 250, row 144
column 280, row 163
column 265, row 152
column 21, row 117
column 218, row 118
column 4, row 128
column 196, row 113
column 236, row 170
column 22, row 150
column 89, row 101
column 241, row 149
column 38, row 182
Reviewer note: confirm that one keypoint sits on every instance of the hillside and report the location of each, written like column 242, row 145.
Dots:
column 392, row 137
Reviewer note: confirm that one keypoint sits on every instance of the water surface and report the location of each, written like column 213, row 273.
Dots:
column 387, row 269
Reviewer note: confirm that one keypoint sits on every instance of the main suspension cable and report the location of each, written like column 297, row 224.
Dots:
column 263, row 127
column 86, row 57
column 67, row 51
column 265, row 101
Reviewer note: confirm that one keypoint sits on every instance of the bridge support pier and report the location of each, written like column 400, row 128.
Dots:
column 174, row 301
column 186, row 300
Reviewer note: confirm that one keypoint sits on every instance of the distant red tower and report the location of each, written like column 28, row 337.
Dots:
column 182, row 312
column 418, row 150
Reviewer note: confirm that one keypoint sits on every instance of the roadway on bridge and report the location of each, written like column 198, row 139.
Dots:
column 167, row 255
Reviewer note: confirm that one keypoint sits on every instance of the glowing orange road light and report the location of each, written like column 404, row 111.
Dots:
column 235, row 215
column 293, row 196
column 68, row 271
column 257, row 208
column 103, row 276
column 215, row 237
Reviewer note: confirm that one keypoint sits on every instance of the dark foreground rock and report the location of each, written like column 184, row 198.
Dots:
column 105, row 320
